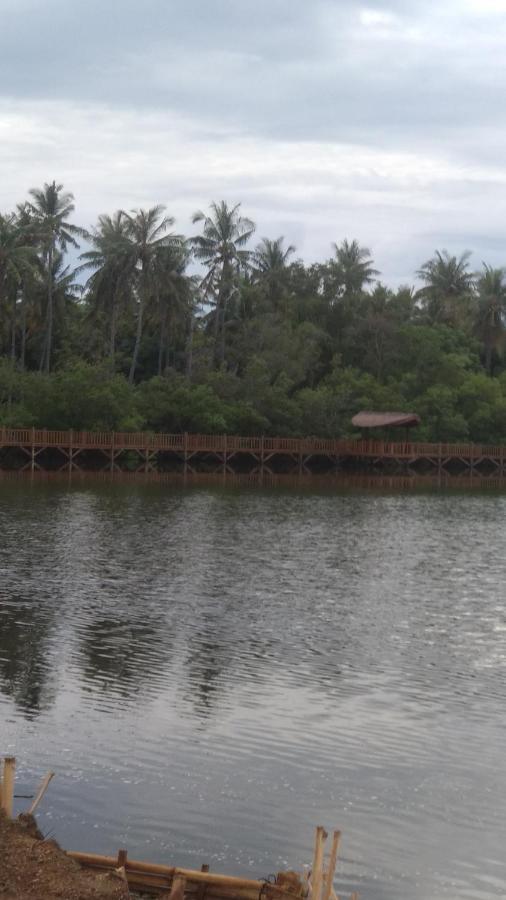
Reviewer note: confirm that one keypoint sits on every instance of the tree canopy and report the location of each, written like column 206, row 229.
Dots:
column 128, row 324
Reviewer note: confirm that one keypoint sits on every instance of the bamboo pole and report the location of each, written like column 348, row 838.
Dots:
column 210, row 878
column 317, row 870
column 202, row 888
column 178, row 887
column 8, row 785
column 327, row 888
column 40, row 793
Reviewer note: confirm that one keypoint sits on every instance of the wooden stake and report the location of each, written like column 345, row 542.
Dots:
column 317, row 870
column 178, row 888
column 8, row 785
column 40, row 793
column 336, row 838
column 202, row 888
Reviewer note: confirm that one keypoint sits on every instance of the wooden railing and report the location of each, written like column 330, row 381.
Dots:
column 216, row 443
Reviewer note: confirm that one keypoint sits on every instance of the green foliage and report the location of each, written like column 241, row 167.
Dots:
column 214, row 334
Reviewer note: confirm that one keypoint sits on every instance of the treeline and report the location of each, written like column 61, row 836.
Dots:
column 222, row 332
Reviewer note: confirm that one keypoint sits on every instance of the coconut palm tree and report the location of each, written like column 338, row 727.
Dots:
column 270, row 262
column 220, row 248
column 354, row 267
column 114, row 268
column 448, row 287
column 18, row 264
column 490, row 314
column 66, row 293
column 173, row 298
column 51, row 208
column 147, row 237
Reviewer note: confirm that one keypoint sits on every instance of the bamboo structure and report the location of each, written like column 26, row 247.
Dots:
column 162, row 877
column 329, row 876
column 190, row 884
column 317, row 870
column 9, row 774
column 40, row 793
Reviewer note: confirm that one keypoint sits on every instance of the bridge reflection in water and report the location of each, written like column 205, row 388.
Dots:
column 335, row 481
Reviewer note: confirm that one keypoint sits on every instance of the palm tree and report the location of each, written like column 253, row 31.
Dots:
column 65, row 295
column 30, row 305
column 220, row 248
column 18, row 264
column 113, row 265
column 51, row 208
column 491, row 311
column 354, row 266
column 448, row 287
column 146, row 237
column 173, row 297
column 270, row 261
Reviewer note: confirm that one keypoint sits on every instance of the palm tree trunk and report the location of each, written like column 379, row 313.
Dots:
column 488, row 353
column 162, row 343
column 23, row 332
column 138, row 337
column 13, row 330
column 112, row 341
column 219, row 323
column 221, row 356
column 216, row 329
column 189, row 348
column 49, row 339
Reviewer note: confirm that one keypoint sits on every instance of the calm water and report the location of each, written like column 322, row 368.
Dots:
column 213, row 672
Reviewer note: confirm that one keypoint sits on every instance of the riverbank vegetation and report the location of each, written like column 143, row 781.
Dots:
column 130, row 325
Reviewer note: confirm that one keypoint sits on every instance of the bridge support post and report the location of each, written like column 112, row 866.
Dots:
column 33, row 451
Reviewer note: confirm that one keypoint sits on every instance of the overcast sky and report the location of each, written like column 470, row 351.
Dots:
column 383, row 121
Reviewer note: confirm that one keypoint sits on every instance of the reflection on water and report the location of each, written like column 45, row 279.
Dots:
column 211, row 672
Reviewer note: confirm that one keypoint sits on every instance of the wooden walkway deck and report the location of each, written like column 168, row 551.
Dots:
column 43, row 449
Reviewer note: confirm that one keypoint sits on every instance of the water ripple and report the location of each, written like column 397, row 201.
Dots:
column 213, row 672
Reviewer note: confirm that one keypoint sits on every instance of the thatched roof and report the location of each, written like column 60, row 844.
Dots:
column 368, row 419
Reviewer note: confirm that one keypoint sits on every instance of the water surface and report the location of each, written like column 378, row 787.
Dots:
column 211, row 672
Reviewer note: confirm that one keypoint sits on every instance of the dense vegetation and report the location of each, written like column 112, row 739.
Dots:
column 220, row 332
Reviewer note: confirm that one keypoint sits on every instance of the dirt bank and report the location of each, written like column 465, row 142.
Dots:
column 32, row 868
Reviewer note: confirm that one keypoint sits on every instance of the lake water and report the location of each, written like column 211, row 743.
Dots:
column 212, row 672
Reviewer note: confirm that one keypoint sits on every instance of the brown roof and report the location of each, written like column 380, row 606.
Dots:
column 367, row 419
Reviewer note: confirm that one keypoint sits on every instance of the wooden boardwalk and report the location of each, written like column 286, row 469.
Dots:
column 29, row 448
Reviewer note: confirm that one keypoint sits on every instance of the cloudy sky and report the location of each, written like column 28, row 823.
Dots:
column 383, row 121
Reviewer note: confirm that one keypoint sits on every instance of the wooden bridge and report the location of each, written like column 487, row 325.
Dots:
column 32, row 449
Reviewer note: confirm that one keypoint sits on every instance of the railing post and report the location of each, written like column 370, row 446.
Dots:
column 71, row 448
column 185, row 445
column 112, row 452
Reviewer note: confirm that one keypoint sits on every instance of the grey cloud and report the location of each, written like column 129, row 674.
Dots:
column 286, row 69
column 423, row 81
